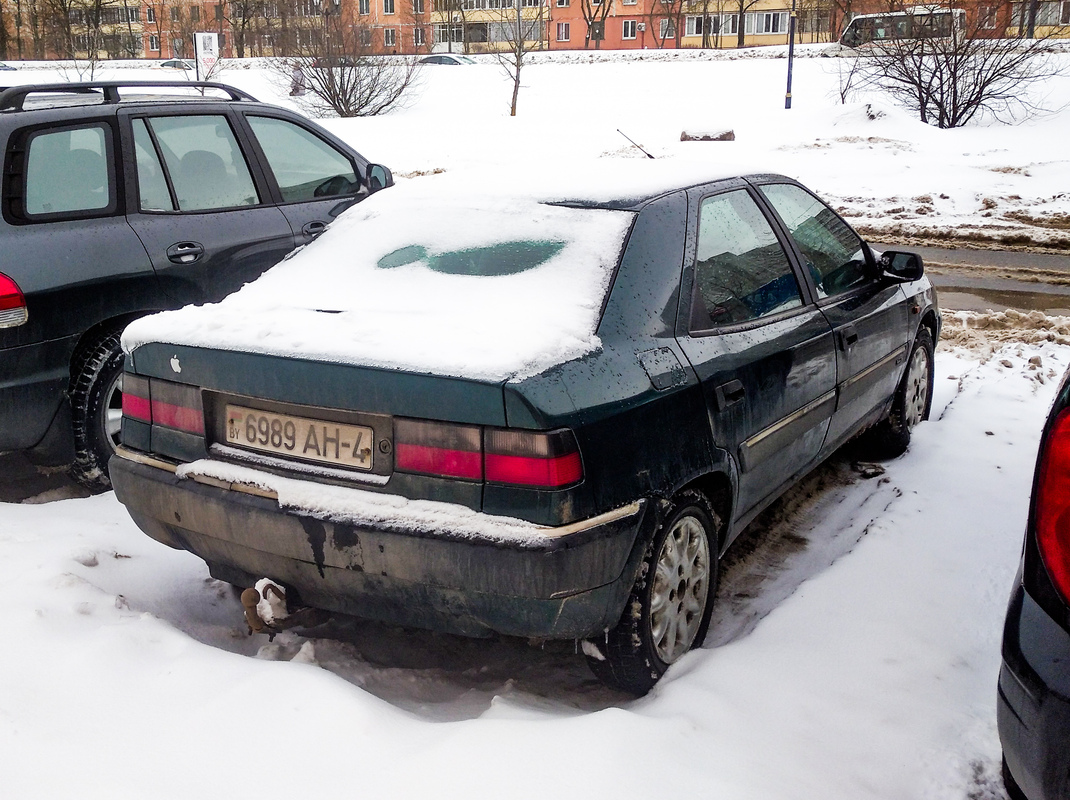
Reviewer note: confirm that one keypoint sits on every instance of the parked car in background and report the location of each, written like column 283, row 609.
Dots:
column 178, row 63
column 543, row 415
column 1033, row 707
column 6, row 67
column 121, row 199
column 447, row 58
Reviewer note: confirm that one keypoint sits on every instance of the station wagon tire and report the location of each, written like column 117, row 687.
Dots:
column 913, row 399
column 668, row 611
column 96, row 409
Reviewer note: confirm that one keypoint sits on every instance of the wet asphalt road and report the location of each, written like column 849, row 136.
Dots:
column 967, row 280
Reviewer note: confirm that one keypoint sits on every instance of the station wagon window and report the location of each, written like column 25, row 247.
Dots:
column 206, row 166
column 151, row 184
column 67, row 172
column 834, row 254
column 305, row 166
column 741, row 270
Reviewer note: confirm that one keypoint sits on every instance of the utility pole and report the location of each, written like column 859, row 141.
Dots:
column 791, row 53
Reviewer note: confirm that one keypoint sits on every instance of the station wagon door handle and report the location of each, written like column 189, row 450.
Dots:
column 848, row 336
column 314, row 228
column 728, row 394
column 185, row 252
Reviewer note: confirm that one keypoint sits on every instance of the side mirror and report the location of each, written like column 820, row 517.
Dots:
column 901, row 266
column 378, row 177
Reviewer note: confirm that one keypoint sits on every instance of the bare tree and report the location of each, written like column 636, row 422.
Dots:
column 948, row 80
column 741, row 9
column 5, row 35
column 344, row 74
column 521, row 37
column 672, row 13
column 594, row 14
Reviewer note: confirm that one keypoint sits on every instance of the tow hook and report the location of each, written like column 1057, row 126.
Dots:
column 267, row 610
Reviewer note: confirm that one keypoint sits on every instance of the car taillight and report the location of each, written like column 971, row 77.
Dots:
column 173, row 405
column 12, row 304
column 436, row 448
column 136, row 403
column 1052, row 513
column 525, row 458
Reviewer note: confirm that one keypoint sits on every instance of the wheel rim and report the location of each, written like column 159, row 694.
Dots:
column 917, row 388
column 681, row 586
column 113, row 411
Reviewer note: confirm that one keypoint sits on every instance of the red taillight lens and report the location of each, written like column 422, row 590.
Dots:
column 435, row 448
column 12, row 303
column 1052, row 512
column 524, row 458
column 178, row 406
column 173, row 405
column 136, row 403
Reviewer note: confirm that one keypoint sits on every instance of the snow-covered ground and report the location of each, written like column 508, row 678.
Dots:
column 855, row 645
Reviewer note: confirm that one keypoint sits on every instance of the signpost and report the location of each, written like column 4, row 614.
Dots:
column 205, row 53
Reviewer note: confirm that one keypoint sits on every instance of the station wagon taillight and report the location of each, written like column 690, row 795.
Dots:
column 12, row 303
column 1052, row 513
column 173, row 405
column 544, row 460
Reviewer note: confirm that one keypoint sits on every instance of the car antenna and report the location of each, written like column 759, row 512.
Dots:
column 630, row 139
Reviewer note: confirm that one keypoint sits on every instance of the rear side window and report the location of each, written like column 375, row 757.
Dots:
column 833, row 252
column 305, row 166
column 741, row 270
column 69, row 173
column 205, row 164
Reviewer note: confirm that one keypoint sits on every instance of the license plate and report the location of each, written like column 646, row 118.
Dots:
column 299, row 437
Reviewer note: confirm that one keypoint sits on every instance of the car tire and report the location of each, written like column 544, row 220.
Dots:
column 890, row 437
column 668, row 611
column 96, row 409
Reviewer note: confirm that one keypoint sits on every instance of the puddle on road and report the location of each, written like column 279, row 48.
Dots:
column 975, row 299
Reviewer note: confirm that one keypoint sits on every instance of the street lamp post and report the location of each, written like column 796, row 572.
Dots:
column 791, row 53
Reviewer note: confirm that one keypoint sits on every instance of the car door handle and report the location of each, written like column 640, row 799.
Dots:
column 185, row 252
column 848, row 336
column 728, row 394
column 314, row 228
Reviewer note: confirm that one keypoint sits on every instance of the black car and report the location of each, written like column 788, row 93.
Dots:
column 544, row 417
column 1033, row 706
column 120, row 199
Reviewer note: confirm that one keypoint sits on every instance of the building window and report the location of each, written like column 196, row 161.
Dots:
column 219, row 11
column 366, row 37
column 628, row 31
column 418, row 37
column 697, row 26
column 154, row 44
column 388, row 6
column 562, row 3
column 150, row 15
column 390, row 37
column 174, row 13
column 417, row 6
column 562, row 31
column 629, row 2
column 364, row 8
column 668, row 29
column 195, row 13
column 730, row 24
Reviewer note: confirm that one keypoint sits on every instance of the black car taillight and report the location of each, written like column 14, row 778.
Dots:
column 525, row 458
column 437, row 448
column 1052, row 509
column 12, row 303
column 173, row 405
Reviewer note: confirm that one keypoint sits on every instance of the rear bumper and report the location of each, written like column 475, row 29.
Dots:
column 571, row 583
column 1033, row 703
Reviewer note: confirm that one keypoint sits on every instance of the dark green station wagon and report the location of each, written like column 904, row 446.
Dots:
column 543, row 414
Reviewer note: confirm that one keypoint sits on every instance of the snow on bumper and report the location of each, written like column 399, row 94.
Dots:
column 415, row 563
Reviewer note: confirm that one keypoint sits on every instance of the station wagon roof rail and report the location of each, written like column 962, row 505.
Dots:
column 14, row 98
